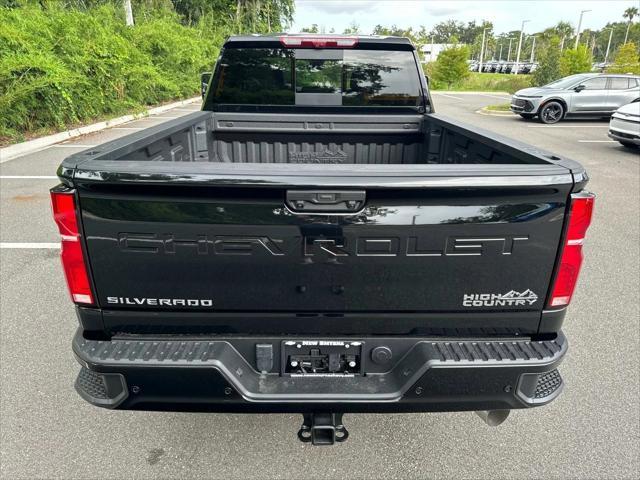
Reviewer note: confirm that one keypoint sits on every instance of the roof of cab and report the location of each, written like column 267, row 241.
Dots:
column 368, row 40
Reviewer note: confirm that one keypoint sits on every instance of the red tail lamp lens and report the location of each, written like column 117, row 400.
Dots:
column 73, row 262
column 571, row 258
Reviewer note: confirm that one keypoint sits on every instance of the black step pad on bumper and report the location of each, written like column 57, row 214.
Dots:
column 518, row 372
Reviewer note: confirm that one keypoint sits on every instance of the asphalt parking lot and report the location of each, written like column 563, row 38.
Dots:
column 591, row 431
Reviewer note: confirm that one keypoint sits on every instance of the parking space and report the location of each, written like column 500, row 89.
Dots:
column 591, row 431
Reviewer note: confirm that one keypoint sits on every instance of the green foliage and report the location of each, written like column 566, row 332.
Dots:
column 451, row 65
column 627, row 60
column 486, row 82
column 499, row 107
column 352, row 29
column 549, row 67
column 575, row 60
column 68, row 62
column 312, row 29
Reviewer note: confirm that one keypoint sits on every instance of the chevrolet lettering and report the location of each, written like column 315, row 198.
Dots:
column 203, row 244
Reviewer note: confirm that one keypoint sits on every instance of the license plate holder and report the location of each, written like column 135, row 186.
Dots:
column 334, row 358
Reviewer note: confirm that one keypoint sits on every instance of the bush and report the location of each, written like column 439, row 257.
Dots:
column 451, row 65
column 487, row 82
column 60, row 67
column 576, row 60
column 626, row 61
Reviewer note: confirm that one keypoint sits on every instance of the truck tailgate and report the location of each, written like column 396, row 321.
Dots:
column 417, row 245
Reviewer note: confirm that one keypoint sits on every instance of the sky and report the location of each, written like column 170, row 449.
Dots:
column 506, row 15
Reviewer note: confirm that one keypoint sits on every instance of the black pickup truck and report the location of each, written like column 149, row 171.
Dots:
column 317, row 240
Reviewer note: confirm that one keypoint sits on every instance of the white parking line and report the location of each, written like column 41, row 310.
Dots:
column 568, row 126
column 36, row 177
column 18, row 245
column 494, row 96
column 448, row 96
column 597, row 141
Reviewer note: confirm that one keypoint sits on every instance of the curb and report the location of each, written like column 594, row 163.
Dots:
column 484, row 111
column 35, row 145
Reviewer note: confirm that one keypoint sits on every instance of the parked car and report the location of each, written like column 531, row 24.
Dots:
column 508, row 67
column 519, row 67
column 581, row 95
column 625, row 125
column 317, row 241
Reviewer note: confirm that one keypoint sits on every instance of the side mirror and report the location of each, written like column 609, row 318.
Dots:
column 579, row 88
column 205, row 78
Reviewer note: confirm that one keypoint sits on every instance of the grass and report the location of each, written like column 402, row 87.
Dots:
column 499, row 107
column 489, row 82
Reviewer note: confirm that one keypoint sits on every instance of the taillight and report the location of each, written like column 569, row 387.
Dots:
column 581, row 209
column 73, row 263
column 318, row 41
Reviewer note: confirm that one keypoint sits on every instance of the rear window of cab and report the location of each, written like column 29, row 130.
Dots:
column 289, row 77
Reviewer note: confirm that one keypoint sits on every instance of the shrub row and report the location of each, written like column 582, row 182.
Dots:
column 60, row 67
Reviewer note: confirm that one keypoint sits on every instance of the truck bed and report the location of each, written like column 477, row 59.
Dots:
column 223, row 137
column 447, row 212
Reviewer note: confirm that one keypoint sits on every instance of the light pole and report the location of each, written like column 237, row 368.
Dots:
column 606, row 55
column 482, row 49
column 517, row 65
column 431, row 50
column 500, row 59
column 509, row 53
column 579, row 27
column 562, row 43
column 533, row 48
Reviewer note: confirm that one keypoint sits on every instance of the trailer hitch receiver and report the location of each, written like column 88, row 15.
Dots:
column 322, row 429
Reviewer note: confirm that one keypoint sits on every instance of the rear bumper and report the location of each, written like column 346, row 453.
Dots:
column 214, row 374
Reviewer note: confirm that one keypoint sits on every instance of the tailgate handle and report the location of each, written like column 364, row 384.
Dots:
column 329, row 201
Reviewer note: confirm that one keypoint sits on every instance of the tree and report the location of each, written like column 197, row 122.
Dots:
column 352, row 29
column 312, row 29
column 475, row 45
column 255, row 16
column 549, row 68
column 419, row 38
column 451, row 65
column 629, row 13
column 627, row 60
column 443, row 32
column 128, row 13
column 575, row 60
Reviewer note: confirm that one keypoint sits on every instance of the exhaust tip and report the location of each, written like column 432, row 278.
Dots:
column 493, row 418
